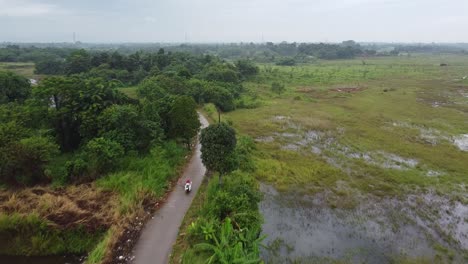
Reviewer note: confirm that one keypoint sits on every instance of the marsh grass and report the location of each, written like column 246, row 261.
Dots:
column 394, row 89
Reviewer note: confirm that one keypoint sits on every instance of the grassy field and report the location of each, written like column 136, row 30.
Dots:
column 25, row 69
column 366, row 133
column 387, row 122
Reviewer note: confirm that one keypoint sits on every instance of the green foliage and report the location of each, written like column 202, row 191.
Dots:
column 50, row 65
column 144, row 177
column 210, row 110
column 229, row 223
column 286, row 62
column 23, row 159
column 102, row 154
column 246, row 68
column 218, row 145
column 127, row 126
column 152, row 89
column 277, row 88
column 221, row 72
column 13, row 87
column 74, row 106
column 231, row 245
column 244, row 149
column 79, row 61
column 31, row 235
column 219, row 96
column 184, row 121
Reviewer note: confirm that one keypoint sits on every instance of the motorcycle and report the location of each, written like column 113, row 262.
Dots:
column 188, row 186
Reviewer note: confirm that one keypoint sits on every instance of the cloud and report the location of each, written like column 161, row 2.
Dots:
column 150, row 19
column 24, row 8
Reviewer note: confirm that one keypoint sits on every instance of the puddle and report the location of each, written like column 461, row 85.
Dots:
column 377, row 231
column 461, row 142
column 266, row 139
column 319, row 141
column 292, row 147
column 429, row 135
column 280, row 117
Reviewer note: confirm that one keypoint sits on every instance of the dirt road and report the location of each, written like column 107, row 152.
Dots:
column 160, row 233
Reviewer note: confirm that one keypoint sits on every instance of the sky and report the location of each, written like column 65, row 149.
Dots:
column 234, row 20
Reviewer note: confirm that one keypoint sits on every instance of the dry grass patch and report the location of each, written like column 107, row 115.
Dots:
column 76, row 206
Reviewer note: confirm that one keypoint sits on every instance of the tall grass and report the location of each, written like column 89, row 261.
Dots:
column 32, row 235
column 144, row 176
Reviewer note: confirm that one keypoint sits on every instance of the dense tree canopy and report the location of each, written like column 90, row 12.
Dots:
column 13, row 87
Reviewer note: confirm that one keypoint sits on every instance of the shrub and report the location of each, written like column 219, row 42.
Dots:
column 23, row 162
column 101, row 154
column 277, row 88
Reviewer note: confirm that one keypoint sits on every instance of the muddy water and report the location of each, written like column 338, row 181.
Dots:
column 41, row 260
column 305, row 230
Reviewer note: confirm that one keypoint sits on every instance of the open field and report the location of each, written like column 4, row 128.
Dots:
column 25, row 69
column 387, row 133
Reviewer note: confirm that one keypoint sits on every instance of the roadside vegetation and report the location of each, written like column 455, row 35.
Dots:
column 224, row 224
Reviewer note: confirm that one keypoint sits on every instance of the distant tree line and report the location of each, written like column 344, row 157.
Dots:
column 54, row 58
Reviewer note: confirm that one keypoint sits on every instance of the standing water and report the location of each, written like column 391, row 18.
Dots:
column 305, row 230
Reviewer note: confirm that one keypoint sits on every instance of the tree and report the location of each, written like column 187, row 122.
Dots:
column 13, row 87
column 131, row 128
column 74, row 106
column 219, row 96
column 50, row 65
column 218, row 148
column 184, row 121
column 246, row 68
column 277, row 88
column 79, row 61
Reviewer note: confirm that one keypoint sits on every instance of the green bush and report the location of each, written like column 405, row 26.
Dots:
column 98, row 157
column 32, row 235
column 101, row 154
column 76, row 169
column 24, row 161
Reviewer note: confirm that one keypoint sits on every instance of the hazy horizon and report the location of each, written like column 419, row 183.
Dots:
column 220, row 21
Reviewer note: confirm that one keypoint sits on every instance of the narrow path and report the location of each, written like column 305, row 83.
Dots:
column 160, row 233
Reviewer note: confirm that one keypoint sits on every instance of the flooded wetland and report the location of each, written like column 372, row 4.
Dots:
column 377, row 174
